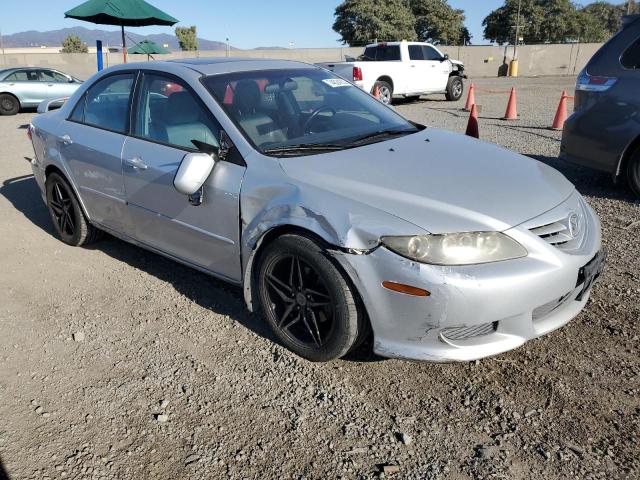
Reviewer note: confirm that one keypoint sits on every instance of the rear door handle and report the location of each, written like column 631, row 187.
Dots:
column 136, row 162
column 66, row 139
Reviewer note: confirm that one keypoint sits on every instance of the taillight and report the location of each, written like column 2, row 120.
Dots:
column 594, row 83
column 30, row 132
column 357, row 74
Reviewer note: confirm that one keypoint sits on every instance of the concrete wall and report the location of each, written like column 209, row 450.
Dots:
column 480, row 61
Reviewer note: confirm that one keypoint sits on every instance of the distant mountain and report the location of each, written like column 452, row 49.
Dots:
column 54, row 38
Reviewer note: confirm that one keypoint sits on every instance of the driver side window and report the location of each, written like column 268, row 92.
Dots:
column 169, row 113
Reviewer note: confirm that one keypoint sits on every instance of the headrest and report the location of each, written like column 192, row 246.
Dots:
column 286, row 86
column 181, row 108
column 246, row 96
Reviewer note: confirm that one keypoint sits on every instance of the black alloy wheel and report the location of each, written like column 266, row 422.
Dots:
column 306, row 300
column 66, row 213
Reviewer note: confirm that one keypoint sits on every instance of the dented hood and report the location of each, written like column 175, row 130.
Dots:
column 440, row 181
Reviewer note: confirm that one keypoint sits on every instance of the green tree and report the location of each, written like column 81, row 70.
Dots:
column 437, row 22
column 73, row 44
column 598, row 21
column 187, row 38
column 541, row 21
column 361, row 21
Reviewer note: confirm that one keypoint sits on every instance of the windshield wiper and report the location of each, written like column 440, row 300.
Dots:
column 381, row 134
column 304, row 147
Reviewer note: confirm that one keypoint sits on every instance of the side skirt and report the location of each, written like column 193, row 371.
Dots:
column 133, row 241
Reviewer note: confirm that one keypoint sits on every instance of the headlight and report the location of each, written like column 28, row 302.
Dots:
column 456, row 248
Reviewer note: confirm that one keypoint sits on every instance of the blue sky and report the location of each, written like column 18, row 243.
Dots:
column 247, row 23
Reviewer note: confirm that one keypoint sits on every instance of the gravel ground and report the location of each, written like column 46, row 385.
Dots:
column 117, row 363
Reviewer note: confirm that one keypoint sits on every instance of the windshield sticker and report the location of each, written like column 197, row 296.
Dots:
column 336, row 82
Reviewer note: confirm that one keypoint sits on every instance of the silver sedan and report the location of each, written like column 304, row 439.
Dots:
column 340, row 219
column 29, row 86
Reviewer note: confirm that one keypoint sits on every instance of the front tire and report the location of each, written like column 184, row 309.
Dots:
column 633, row 172
column 9, row 105
column 455, row 88
column 385, row 91
column 66, row 214
column 306, row 300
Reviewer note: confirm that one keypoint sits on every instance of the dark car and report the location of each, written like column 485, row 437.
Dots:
column 604, row 130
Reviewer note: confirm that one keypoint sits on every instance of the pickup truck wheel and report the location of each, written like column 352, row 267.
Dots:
column 306, row 300
column 385, row 92
column 9, row 105
column 455, row 88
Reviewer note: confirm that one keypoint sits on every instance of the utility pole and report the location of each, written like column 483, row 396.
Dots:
column 228, row 47
column 515, row 44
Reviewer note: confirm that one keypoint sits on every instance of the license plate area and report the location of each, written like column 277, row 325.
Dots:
column 588, row 274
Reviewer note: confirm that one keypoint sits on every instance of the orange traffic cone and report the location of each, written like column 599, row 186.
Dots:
column 471, row 98
column 512, row 111
column 472, row 127
column 561, row 113
column 376, row 92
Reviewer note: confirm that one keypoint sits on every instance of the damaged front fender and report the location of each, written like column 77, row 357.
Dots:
column 271, row 200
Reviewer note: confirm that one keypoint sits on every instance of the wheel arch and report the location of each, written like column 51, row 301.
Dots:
column 15, row 97
column 11, row 94
column 52, row 168
column 388, row 79
column 626, row 156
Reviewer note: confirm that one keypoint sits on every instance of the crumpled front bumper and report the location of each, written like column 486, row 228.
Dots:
column 473, row 311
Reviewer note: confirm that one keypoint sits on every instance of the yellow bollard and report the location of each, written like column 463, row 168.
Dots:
column 513, row 68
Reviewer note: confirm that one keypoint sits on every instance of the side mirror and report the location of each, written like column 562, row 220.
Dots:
column 193, row 172
column 445, row 57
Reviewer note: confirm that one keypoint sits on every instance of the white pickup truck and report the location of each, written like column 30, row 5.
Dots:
column 403, row 69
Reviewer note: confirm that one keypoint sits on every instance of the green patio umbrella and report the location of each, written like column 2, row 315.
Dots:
column 148, row 48
column 126, row 13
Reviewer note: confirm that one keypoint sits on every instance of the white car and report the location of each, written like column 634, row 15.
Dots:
column 403, row 69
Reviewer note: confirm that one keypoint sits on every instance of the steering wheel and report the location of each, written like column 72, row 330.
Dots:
column 323, row 108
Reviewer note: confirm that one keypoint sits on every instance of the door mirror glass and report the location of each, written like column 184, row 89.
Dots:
column 193, row 172
column 445, row 57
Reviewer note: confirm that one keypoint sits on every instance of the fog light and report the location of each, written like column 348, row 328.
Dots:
column 406, row 289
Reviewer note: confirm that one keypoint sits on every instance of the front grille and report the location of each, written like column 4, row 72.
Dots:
column 556, row 233
column 560, row 234
column 462, row 333
column 548, row 308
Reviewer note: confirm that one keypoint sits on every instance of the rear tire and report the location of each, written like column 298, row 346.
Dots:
column 307, row 301
column 385, row 90
column 66, row 214
column 455, row 88
column 9, row 105
column 633, row 172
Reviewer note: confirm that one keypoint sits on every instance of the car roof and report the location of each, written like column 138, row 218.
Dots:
column 217, row 65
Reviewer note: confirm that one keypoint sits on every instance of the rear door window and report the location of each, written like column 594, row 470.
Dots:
column 631, row 57
column 23, row 76
column 382, row 53
column 415, row 52
column 106, row 103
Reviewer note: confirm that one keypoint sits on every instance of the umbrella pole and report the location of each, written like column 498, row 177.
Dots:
column 124, row 47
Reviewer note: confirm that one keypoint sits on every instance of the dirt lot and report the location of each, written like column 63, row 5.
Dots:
column 96, row 342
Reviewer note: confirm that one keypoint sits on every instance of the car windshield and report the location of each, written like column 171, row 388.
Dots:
column 303, row 111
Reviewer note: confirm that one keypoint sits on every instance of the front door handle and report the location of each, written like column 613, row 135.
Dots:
column 136, row 163
column 66, row 139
